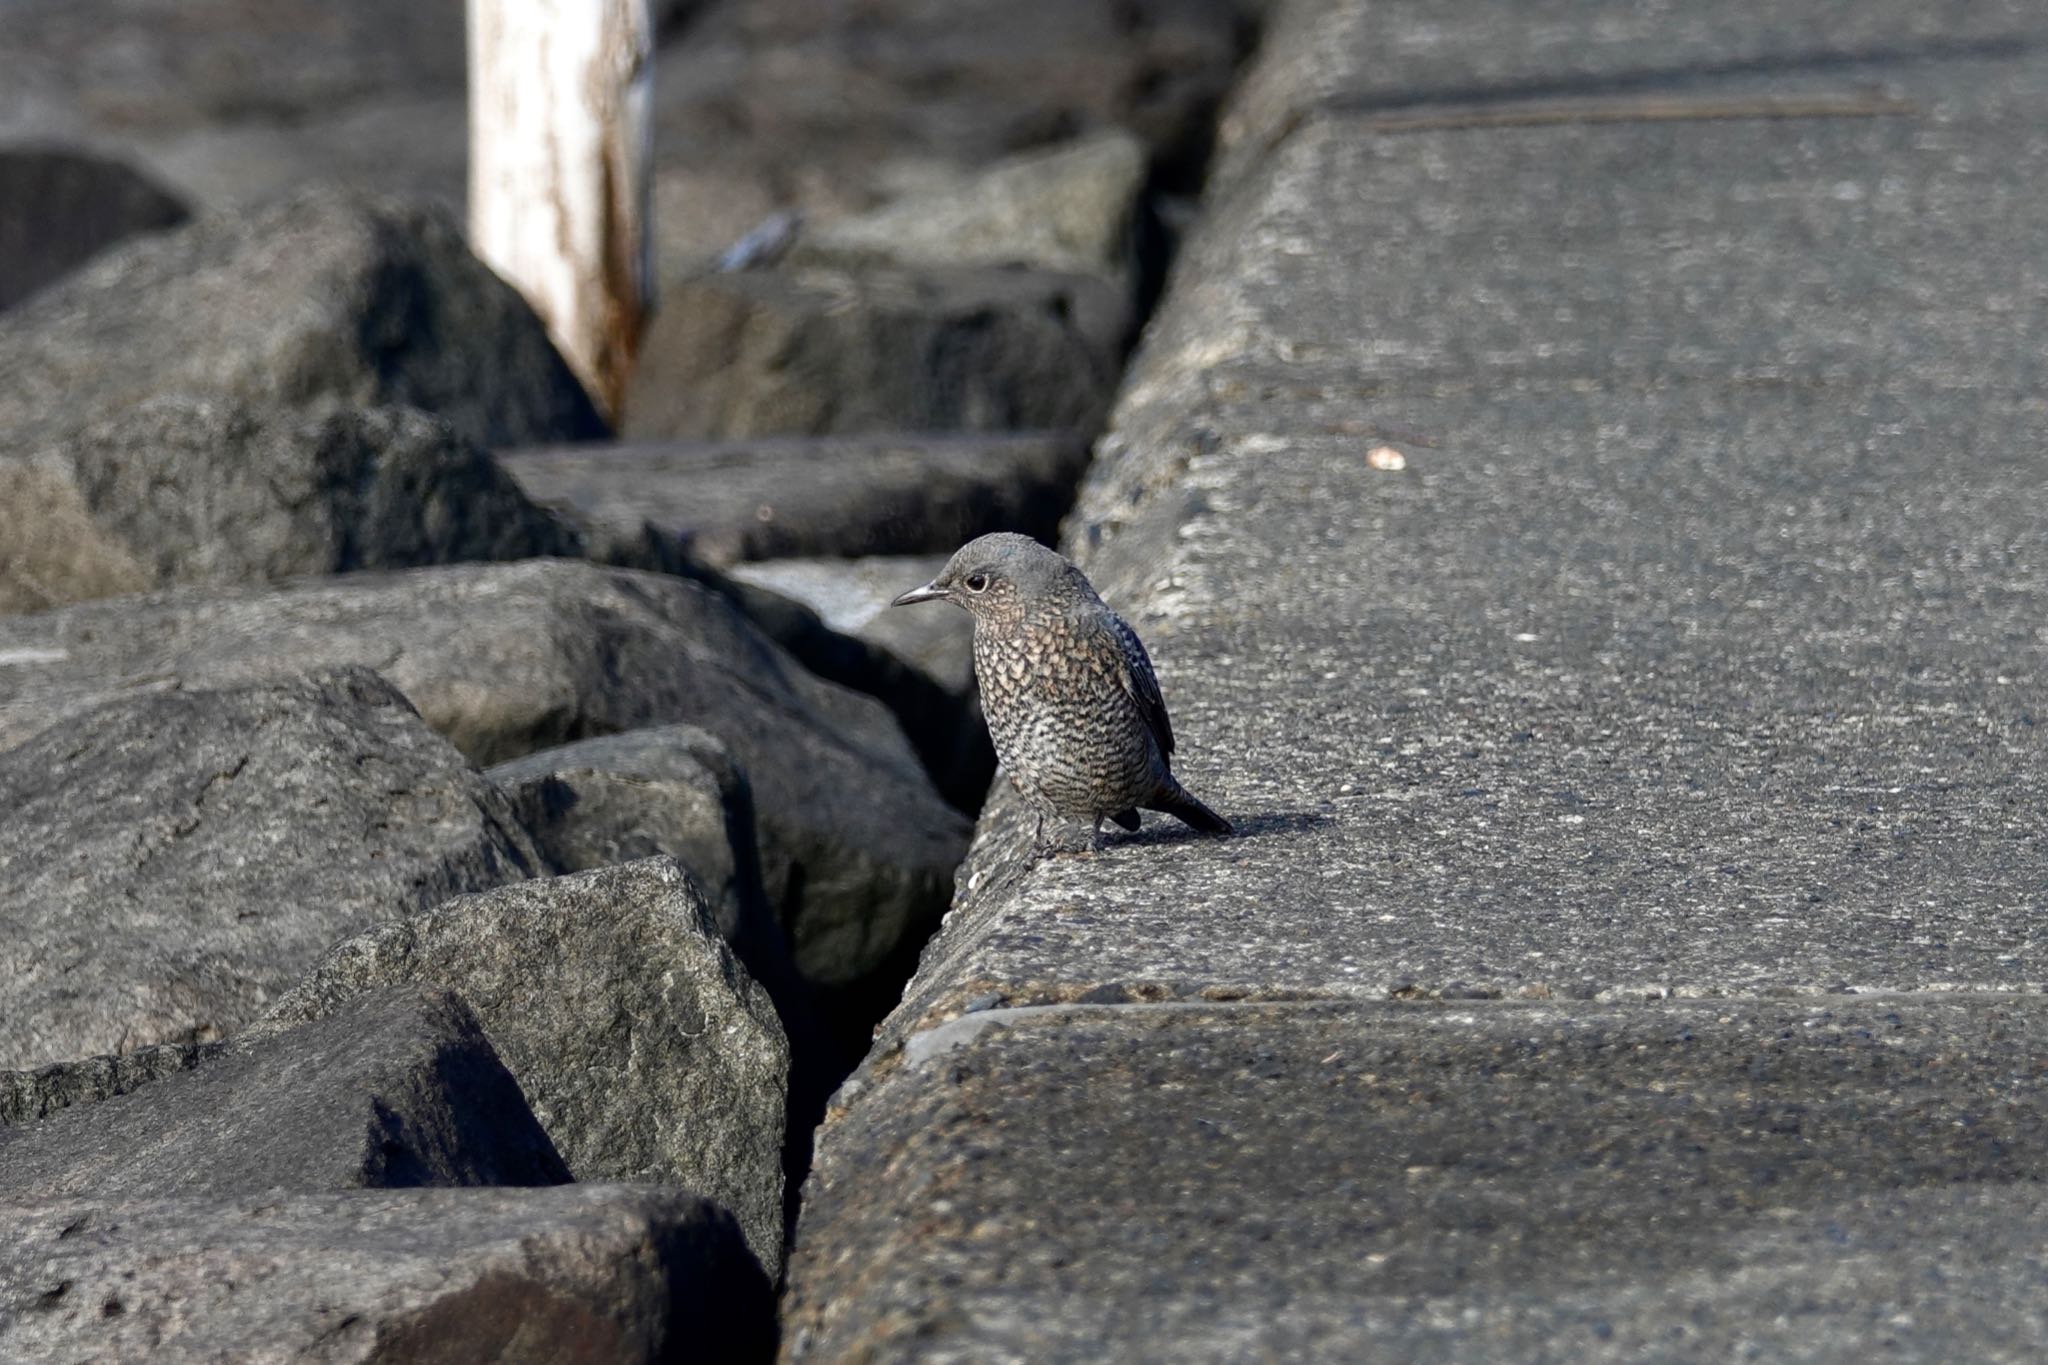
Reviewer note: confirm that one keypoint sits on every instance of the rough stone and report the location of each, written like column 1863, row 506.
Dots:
column 234, row 104
column 526, row 1277
column 403, row 1089
column 127, row 64
column 29, row 1095
column 325, row 300
column 721, row 502
column 646, row 1052
column 61, row 206
column 175, row 858
column 1070, row 208
column 857, row 848
column 992, row 77
column 674, row 791
column 182, row 490
column 668, row 790
column 814, row 352
column 1692, row 1180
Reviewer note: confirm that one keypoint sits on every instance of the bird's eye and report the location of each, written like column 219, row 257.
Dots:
column 977, row 582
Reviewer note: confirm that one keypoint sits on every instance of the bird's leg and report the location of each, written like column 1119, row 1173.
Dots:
column 1095, row 836
column 1040, row 848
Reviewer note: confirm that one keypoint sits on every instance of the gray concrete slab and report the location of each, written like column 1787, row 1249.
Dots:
column 1336, row 58
column 1765, row 1180
column 1724, row 692
column 1771, row 249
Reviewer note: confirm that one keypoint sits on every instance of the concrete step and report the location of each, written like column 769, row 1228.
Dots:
column 1433, row 1182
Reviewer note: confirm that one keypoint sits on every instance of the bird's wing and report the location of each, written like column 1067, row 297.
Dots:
column 1143, row 685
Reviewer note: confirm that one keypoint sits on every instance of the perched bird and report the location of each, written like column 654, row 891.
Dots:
column 1071, row 699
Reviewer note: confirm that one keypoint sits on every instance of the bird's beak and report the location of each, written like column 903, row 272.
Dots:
column 930, row 592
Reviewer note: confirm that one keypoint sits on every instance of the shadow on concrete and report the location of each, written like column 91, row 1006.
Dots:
column 1167, row 830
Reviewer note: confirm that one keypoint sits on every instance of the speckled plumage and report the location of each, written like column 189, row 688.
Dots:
column 1071, row 699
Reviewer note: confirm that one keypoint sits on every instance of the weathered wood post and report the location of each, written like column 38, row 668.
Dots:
column 560, row 146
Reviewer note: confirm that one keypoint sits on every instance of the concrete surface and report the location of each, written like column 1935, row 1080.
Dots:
column 1582, row 496
column 1429, row 1182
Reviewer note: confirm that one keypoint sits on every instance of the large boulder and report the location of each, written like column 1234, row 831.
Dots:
column 186, row 490
column 520, row 1277
column 645, row 1050
column 800, row 104
column 1071, row 208
column 858, row 849
column 674, row 791
column 324, row 300
column 816, row 351
column 135, row 66
column 720, row 502
column 999, row 75
column 669, row 791
column 39, row 1092
column 61, row 206
column 175, row 858
column 402, row 1089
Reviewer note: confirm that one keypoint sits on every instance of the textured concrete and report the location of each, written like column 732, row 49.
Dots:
column 1582, row 497
column 1431, row 1182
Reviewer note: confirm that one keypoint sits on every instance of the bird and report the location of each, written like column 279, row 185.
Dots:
column 1069, row 693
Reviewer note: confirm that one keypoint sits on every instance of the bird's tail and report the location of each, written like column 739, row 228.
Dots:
column 1173, row 799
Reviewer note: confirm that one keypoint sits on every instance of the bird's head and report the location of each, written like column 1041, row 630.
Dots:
column 994, row 575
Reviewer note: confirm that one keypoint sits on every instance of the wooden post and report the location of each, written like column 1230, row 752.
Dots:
column 560, row 146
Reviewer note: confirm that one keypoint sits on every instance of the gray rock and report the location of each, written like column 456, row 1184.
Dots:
column 857, row 848
column 674, row 791
column 526, row 1277
column 644, row 1049
column 401, row 1089
column 29, row 1095
column 325, row 300
column 130, row 65
column 182, row 490
column 1690, row 1180
column 676, row 507
column 61, row 206
column 175, row 858
column 823, row 86
column 1070, row 208
column 811, row 352
column 721, row 502
column 669, row 791
column 584, row 805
